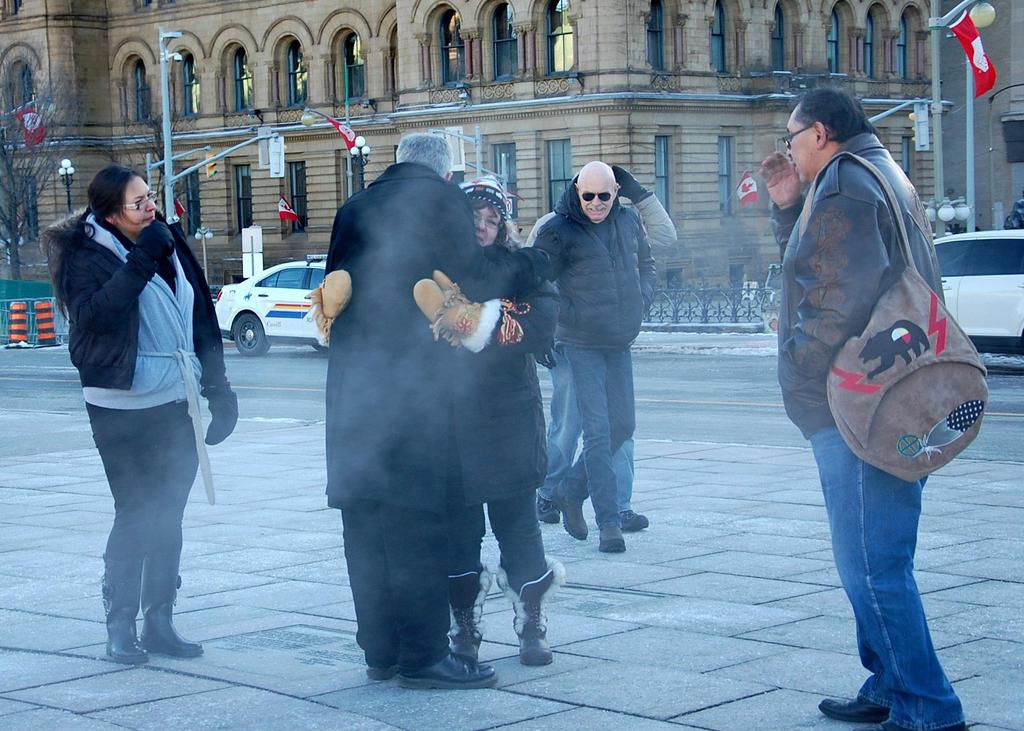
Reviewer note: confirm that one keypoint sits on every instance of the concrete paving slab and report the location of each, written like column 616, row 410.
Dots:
column 810, row 671
column 986, row 593
column 745, row 563
column 779, row 709
column 19, row 670
column 7, row 707
column 577, row 718
column 239, row 708
column 703, row 615
column 994, row 699
column 731, row 588
column 48, row 719
column 634, row 689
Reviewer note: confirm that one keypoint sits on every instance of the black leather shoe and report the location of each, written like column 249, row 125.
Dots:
column 857, row 711
column 452, row 672
column 632, row 522
column 890, row 726
column 381, row 673
column 546, row 511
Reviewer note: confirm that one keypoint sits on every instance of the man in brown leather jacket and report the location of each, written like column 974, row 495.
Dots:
column 837, row 239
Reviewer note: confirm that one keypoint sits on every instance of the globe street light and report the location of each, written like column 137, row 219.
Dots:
column 203, row 234
column 360, row 153
column 67, row 176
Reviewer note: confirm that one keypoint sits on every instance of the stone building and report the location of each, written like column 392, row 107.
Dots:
column 687, row 94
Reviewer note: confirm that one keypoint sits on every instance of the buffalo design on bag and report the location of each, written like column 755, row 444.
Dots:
column 908, row 394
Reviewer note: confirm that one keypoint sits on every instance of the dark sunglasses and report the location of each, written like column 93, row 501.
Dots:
column 787, row 139
column 605, row 196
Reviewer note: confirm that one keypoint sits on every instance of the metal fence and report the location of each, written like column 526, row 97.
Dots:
column 59, row 323
column 705, row 304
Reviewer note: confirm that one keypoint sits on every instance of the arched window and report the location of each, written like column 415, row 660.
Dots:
column 832, row 43
column 141, row 92
column 298, row 75
column 656, row 37
column 902, row 68
column 242, row 75
column 190, row 86
column 560, row 40
column 21, row 85
column 869, row 46
column 393, row 60
column 354, row 81
column 453, row 49
column 15, row 7
column 718, row 62
column 506, row 53
column 778, row 40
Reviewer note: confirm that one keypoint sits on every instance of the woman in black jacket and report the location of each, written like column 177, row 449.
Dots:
column 144, row 338
column 499, row 430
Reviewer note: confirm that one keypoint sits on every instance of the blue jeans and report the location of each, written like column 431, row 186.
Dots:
column 873, row 517
column 564, row 430
column 603, row 380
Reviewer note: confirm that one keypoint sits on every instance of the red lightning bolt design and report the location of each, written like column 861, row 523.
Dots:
column 852, row 381
column 936, row 326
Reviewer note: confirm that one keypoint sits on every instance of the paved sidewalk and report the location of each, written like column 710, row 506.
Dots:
column 726, row 614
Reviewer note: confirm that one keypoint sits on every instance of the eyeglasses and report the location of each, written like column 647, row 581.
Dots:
column 787, row 139
column 604, row 196
column 139, row 205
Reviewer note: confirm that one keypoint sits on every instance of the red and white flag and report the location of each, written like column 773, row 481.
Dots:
column 747, row 190
column 31, row 125
column 345, row 131
column 285, row 212
column 984, row 70
column 179, row 210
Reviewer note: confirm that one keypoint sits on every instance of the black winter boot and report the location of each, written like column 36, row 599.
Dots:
column 121, row 582
column 530, row 622
column 160, row 584
column 466, row 594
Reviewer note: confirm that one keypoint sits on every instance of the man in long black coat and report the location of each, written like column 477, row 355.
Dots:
column 389, row 400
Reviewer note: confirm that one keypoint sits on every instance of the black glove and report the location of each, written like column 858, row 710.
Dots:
column 629, row 186
column 223, row 405
column 156, row 240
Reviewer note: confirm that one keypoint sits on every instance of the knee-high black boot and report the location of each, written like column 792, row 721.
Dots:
column 121, row 580
column 160, row 584
column 466, row 594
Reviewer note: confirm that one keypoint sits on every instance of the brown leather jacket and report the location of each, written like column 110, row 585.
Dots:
column 835, row 272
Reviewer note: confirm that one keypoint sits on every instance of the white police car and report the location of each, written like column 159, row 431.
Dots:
column 271, row 307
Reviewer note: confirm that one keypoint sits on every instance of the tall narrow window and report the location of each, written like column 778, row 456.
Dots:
column 453, row 49
column 242, row 75
column 506, row 53
column 901, row 49
column 15, row 7
column 243, row 196
column 297, row 188
column 354, row 80
column 190, row 86
column 832, row 44
column 560, row 39
column 298, row 75
column 725, row 186
column 141, row 89
column 869, row 47
column 559, row 170
column 393, row 61
column 661, row 169
column 718, row 62
column 907, row 156
column 778, row 40
column 504, row 161
column 22, row 87
column 193, row 208
column 656, row 37
column 31, row 230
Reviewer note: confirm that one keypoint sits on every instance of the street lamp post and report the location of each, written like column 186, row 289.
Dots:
column 165, row 122
column 203, row 234
column 67, row 176
column 360, row 153
column 982, row 14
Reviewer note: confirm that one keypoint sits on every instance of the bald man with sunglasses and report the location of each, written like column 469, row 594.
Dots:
column 601, row 261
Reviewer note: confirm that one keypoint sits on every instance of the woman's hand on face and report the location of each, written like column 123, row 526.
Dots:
column 156, row 240
column 781, row 180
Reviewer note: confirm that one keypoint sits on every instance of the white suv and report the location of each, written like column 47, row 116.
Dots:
column 983, row 283
column 271, row 307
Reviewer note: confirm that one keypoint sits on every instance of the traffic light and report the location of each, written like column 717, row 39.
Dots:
column 211, row 166
column 922, row 131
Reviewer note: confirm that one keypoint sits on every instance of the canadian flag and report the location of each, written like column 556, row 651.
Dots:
column 345, row 131
column 285, row 212
column 31, row 125
column 179, row 210
column 984, row 70
column 747, row 190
